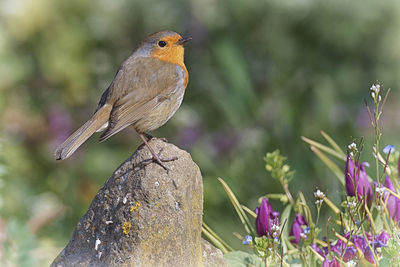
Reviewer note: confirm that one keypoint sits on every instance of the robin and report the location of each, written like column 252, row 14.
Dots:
column 145, row 93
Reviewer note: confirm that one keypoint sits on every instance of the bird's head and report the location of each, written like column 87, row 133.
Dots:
column 165, row 45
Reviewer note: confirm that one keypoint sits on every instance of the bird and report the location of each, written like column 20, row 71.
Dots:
column 145, row 93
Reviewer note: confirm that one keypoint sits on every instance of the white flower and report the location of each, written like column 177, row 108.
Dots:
column 375, row 88
column 373, row 95
column 319, row 194
column 380, row 190
column 352, row 146
column 275, row 227
column 351, row 264
column 351, row 204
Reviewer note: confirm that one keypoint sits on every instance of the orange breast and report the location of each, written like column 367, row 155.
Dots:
column 173, row 53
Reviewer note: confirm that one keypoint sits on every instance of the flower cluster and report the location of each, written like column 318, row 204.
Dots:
column 319, row 195
column 375, row 90
column 355, row 247
column 352, row 149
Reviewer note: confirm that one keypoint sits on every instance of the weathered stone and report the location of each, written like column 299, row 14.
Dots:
column 143, row 216
column 212, row 257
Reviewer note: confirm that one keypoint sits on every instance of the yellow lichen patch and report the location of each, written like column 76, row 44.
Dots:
column 135, row 207
column 126, row 227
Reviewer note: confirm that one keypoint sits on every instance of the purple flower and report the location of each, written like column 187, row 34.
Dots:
column 331, row 263
column 393, row 203
column 381, row 239
column 267, row 219
column 297, row 229
column 356, row 178
column 348, row 253
column 318, row 250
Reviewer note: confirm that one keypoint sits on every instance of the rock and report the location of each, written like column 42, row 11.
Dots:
column 212, row 257
column 144, row 216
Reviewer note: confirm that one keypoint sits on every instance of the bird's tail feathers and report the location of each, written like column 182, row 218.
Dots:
column 73, row 142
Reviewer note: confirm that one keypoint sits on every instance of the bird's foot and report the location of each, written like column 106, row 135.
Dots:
column 160, row 161
column 149, row 137
column 157, row 158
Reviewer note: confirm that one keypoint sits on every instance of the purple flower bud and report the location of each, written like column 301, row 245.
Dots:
column 393, row 203
column 349, row 254
column 381, row 239
column 356, row 178
column 266, row 218
column 331, row 263
column 318, row 250
column 297, row 230
column 362, row 244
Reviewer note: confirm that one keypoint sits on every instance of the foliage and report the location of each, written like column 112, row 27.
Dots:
column 359, row 232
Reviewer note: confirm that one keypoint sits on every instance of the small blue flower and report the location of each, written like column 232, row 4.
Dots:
column 248, row 240
column 388, row 148
column 307, row 230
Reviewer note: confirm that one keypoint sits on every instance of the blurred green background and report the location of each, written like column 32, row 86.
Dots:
column 262, row 74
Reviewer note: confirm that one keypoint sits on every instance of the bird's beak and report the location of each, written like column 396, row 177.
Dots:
column 183, row 40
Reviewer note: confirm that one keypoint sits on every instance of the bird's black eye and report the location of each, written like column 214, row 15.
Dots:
column 162, row 43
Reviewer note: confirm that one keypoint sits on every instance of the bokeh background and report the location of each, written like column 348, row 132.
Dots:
column 262, row 74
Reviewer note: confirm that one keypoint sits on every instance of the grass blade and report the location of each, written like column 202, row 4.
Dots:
column 249, row 211
column 324, row 148
column 209, row 230
column 330, row 164
column 242, row 215
column 285, row 231
column 333, row 144
column 213, row 240
column 333, row 207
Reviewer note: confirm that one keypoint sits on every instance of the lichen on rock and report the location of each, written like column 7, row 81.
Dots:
column 143, row 215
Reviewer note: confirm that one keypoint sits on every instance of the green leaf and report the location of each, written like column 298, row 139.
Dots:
column 242, row 259
column 242, row 215
column 285, row 231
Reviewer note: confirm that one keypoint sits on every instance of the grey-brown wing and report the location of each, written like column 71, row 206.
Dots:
column 138, row 88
